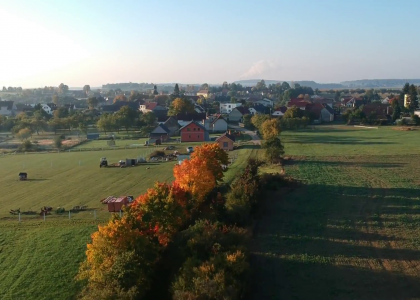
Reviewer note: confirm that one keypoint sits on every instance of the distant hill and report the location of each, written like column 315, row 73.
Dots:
column 379, row 83
column 312, row 84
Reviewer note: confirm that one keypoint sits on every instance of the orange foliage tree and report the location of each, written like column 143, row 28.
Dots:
column 214, row 157
column 179, row 106
column 270, row 129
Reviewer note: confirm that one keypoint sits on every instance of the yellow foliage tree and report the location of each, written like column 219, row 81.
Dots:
column 179, row 106
column 270, row 129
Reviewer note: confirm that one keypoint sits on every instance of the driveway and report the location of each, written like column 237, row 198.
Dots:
column 255, row 138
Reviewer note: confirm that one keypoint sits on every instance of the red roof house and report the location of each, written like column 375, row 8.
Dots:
column 194, row 132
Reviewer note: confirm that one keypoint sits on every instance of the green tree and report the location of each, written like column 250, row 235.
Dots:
column 55, row 99
column 273, row 149
column 176, row 90
column 413, row 98
column 148, row 118
column 247, row 122
column 106, row 123
column 61, row 112
column 258, row 120
column 55, row 124
column 261, row 86
column 155, row 91
column 62, row 88
column 406, row 88
column 58, row 142
column 83, row 128
column 120, row 97
column 92, row 102
column 127, row 117
column 204, row 87
column 396, row 110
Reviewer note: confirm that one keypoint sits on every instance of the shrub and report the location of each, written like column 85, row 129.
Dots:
column 157, row 153
column 216, row 265
column 26, row 146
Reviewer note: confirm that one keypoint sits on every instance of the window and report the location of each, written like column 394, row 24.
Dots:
column 198, row 136
column 225, row 144
column 188, row 129
column 189, row 136
column 194, row 129
column 198, row 129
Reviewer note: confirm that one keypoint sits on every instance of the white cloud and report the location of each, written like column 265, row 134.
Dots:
column 260, row 68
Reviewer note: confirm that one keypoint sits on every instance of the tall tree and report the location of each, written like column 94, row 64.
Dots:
column 86, row 89
column 176, row 90
column 55, row 99
column 148, row 118
column 120, row 97
column 127, row 117
column 62, row 88
column 204, row 87
column 155, row 91
column 92, row 102
column 406, row 88
column 413, row 98
column 180, row 105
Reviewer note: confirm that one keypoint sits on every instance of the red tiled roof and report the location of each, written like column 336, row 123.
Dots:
column 297, row 104
column 315, row 108
column 151, row 105
column 229, row 136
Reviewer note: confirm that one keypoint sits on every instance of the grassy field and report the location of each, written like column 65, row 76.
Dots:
column 50, row 252
column 350, row 229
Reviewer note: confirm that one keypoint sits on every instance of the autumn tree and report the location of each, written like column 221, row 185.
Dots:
column 195, row 176
column 92, row 102
column 293, row 112
column 120, row 97
column 270, row 129
column 24, row 134
column 214, row 156
column 258, row 120
column 179, row 106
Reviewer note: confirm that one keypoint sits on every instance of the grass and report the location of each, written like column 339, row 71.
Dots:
column 350, row 229
column 39, row 259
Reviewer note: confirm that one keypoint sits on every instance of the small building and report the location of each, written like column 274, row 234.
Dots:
column 194, row 132
column 161, row 132
column 218, row 124
column 407, row 100
column 92, row 136
column 203, row 93
column 172, row 124
column 237, row 113
column 226, row 108
column 279, row 112
column 116, row 204
column 7, row 108
column 226, row 141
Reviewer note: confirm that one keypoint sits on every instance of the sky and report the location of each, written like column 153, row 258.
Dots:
column 45, row 43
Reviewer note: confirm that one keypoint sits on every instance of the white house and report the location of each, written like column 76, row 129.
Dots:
column 266, row 102
column 147, row 107
column 7, row 108
column 226, row 108
column 47, row 108
column 279, row 112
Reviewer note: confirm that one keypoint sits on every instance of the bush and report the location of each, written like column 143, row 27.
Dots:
column 157, row 153
column 26, row 146
column 216, row 266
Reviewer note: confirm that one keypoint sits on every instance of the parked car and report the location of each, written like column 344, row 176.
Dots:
column 190, row 149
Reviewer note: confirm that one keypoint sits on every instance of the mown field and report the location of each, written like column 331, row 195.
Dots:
column 40, row 259
column 350, row 228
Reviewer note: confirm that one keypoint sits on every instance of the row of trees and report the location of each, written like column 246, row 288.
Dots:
column 126, row 118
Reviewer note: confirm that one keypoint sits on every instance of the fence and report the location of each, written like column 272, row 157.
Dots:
column 45, row 216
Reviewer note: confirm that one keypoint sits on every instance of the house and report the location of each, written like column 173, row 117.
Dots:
column 352, row 102
column 203, row 93
column 328, row 101
column 322, row 113
column 226, row 141
column 258, row 109
column 20, row 107
column 226, row 108
column 217, row 124
column 199, row 109
column 194, row 132
column 160, row 132
column 381, row 111
column 301, row 105
column 407, row 100
column 237, row 113
column 7, row 108
column 266, row 102
column 279, row 112
column 148, row 107
column 172, row 124
column 184, row 119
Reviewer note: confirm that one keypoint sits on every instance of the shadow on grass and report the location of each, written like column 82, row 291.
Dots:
column 321, row 242
column 250, row 146
column 340, row 140
column 364, row 164
column 307, row 280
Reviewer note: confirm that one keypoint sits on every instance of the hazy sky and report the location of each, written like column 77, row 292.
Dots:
column 96, row 42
